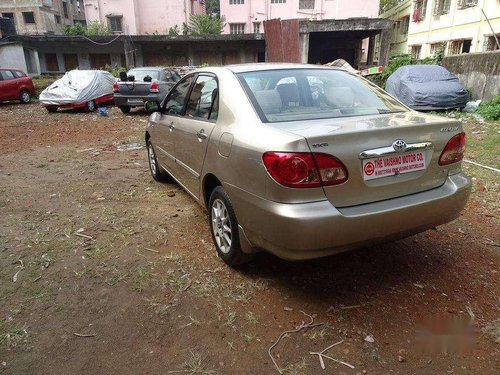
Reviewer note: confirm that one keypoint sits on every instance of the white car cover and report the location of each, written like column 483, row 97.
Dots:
column 78, row 86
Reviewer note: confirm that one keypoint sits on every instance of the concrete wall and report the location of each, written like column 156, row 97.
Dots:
column 478, row 72
column 12, row 56
column 261, row 10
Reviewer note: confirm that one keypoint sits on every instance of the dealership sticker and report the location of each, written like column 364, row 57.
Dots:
column 392, row 165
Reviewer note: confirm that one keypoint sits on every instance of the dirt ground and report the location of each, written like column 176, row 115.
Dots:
column 104, row 271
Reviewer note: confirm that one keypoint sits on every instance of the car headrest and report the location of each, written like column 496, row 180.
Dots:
column 269, row 100
column 289, row 93
column 340, row 96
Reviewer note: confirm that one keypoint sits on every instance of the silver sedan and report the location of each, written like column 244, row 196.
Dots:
column 305, row 161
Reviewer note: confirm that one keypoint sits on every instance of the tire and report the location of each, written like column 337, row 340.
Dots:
column 90, row 106
column 125, row 109
column 154, row 168
column 51, row 109
column 224, row 229
column 25, row 97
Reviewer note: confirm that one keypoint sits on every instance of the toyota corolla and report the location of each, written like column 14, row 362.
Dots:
column 305, row 161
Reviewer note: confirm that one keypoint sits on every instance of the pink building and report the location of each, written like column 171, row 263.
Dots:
column 138, row 17
column 246, row 16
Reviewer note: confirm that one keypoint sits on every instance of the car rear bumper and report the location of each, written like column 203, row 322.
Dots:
column 312, row 230
column 135, row 101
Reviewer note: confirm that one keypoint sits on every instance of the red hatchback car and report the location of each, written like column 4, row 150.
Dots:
column 15, row 85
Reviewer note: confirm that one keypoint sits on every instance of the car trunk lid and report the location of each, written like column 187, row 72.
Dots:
column 377, row 171
column 135, row 88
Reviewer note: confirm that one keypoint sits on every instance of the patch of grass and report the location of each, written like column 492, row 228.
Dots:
column 195, row 365
column 14, row 336
column 141, row 279
column 251, row 318
column 490, row 110
column 249, row 338
column 192, row 322
column 317, row 334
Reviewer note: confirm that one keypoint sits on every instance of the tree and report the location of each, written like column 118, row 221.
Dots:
column 93, row 29
column 212, row 7
column 385, row 5
column 205, row 24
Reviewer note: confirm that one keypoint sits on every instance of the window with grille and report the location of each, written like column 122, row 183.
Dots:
column 278, row 1
column 405, row 23
column 29, row 17
column 236, row 28
column 115, row 24
column 306, row 4
column 236, row 2
column 256, row 27
column 462, row 4
column 459, row 46
column 435, row 47
column 65, row 9
column 442, row 7
column 419, row 10
column 416, row 51
column 491, row 43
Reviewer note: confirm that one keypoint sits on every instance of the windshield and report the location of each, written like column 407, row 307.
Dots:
column 306, row 94
column 140, row 74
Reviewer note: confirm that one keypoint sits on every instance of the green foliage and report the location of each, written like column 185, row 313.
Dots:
column 94, row 28
column 114, row 70
column 490, row 110
column 212, row 7
column 402, row 60
column 76, row 29
column 385, row 5
column 174, row 31
column 185, row 28
column 205, row 24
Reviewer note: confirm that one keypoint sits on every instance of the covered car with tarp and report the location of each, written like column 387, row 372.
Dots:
column 427, row 88
column 85, row 89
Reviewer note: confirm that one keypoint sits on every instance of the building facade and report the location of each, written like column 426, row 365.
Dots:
column 141, row 17
column 400, row 15
column 36, row 17
column 247, row 16
column 459, row 25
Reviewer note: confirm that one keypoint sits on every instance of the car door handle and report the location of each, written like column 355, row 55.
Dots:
column 201, row 134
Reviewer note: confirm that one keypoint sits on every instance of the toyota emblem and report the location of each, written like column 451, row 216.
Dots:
column 399, row 145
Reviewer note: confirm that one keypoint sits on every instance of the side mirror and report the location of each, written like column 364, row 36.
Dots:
column 152, row 106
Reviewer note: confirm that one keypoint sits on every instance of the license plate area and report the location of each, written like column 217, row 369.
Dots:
column 393, row 165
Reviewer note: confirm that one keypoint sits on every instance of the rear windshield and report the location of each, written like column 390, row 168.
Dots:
column 308, row 94
column 140, row 74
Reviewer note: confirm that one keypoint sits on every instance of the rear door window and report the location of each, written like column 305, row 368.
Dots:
column 18, row 74
column 174, row 104
column 203, row 100
column 6, row 75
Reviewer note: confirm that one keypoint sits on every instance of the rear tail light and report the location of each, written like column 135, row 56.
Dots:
column 454, row 150
column 304, row 170
column 154, row 87
column 116, row 88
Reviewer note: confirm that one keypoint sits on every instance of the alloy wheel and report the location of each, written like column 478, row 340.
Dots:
column 221, row 226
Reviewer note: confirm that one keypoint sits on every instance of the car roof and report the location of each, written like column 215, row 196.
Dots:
column 150, row 68
column 240, row 68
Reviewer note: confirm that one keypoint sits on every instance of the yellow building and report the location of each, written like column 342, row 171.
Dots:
column 400, row 14
column 459, row 24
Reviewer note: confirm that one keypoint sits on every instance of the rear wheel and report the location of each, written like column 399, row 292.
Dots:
column 90, row 106
column 224, row 228
column 156, row 171
column 25, row 97
column 125, row 109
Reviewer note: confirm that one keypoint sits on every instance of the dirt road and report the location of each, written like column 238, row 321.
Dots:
column 104, row 271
